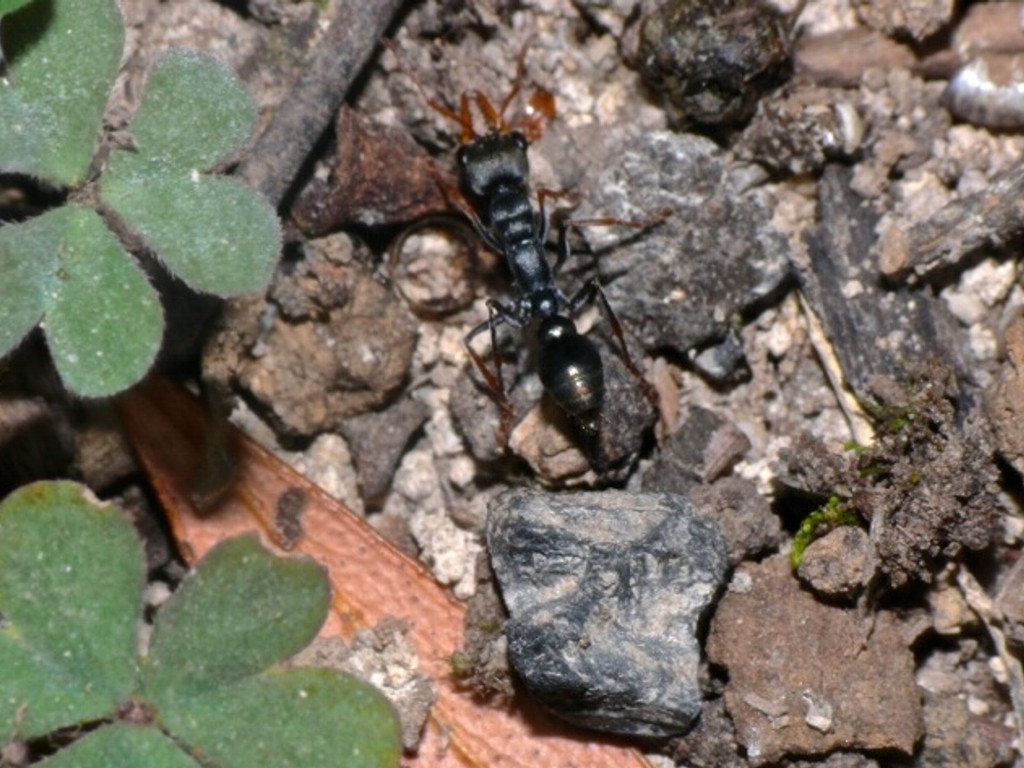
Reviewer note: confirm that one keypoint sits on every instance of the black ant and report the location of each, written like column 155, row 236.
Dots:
column 494, row 195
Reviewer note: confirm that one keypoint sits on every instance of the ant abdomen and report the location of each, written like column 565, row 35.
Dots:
column 570, row 368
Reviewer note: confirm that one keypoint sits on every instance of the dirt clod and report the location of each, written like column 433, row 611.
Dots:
column 711, row 61
column 331, row 344
column 806, row 678
column 927, row 486
column 837, row 564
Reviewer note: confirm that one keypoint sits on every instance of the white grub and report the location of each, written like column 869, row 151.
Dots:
column 989, row 91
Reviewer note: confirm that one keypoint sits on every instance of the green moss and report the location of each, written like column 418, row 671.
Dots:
column 831, row 514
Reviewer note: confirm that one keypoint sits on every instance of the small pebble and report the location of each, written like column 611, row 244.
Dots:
column 836, row 564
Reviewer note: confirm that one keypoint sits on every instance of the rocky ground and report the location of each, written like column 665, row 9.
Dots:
column 823, row 295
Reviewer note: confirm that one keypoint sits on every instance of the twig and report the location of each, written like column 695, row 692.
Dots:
column 994, row 620
column 304, row 115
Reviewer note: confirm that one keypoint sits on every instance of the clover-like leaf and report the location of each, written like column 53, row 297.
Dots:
column 122, row 745
column 230, row 724
column 63, row 56
column 241, row 611
column 215, row 233
column 194, row 113
column 102, row 317
column 26, row 251
column 71, row 578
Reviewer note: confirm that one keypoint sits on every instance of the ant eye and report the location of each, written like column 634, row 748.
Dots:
column 461, row 157
column 520, row 141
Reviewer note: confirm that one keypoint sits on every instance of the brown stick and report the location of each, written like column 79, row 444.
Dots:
column 304, row 115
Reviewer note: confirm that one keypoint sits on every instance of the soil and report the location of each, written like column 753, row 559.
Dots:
column 816, row 273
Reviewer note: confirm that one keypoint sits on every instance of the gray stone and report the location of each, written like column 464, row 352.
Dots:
column 682, row 283
column 605, row 592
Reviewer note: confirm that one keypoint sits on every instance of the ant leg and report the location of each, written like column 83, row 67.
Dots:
column 497, row 314
column 463, row 117
column 611, row 221
column 587, row 295
column 564, row 247
column 544, row 194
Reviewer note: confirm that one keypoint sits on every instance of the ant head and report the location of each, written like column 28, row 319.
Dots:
column 493, row 158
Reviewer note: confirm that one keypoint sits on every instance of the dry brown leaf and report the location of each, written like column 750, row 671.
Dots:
column 370, row 578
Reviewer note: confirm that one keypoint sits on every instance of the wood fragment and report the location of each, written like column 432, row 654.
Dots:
column 371, row 581
column 990, row 27
column 842, row 57
column 990, row 218
column 380, row 176
column 874, row 331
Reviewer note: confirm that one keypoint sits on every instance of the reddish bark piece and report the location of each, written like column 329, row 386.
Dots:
column 807, row 678
column 370, row 578
column 380, row 176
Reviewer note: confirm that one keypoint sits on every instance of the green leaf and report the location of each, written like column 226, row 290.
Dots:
column 194, row 113
column 9, row 6
column 71, row 578
column 332, row 719
column 215, row 233
column 63, row 56
column 241, row 611
column 26, row 251
column 103, row 318
column 122, row 745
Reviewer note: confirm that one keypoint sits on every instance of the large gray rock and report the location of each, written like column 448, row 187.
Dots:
column 682, row 283
column 605, row 592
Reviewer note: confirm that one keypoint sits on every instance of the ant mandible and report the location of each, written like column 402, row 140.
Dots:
column 494, row 194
